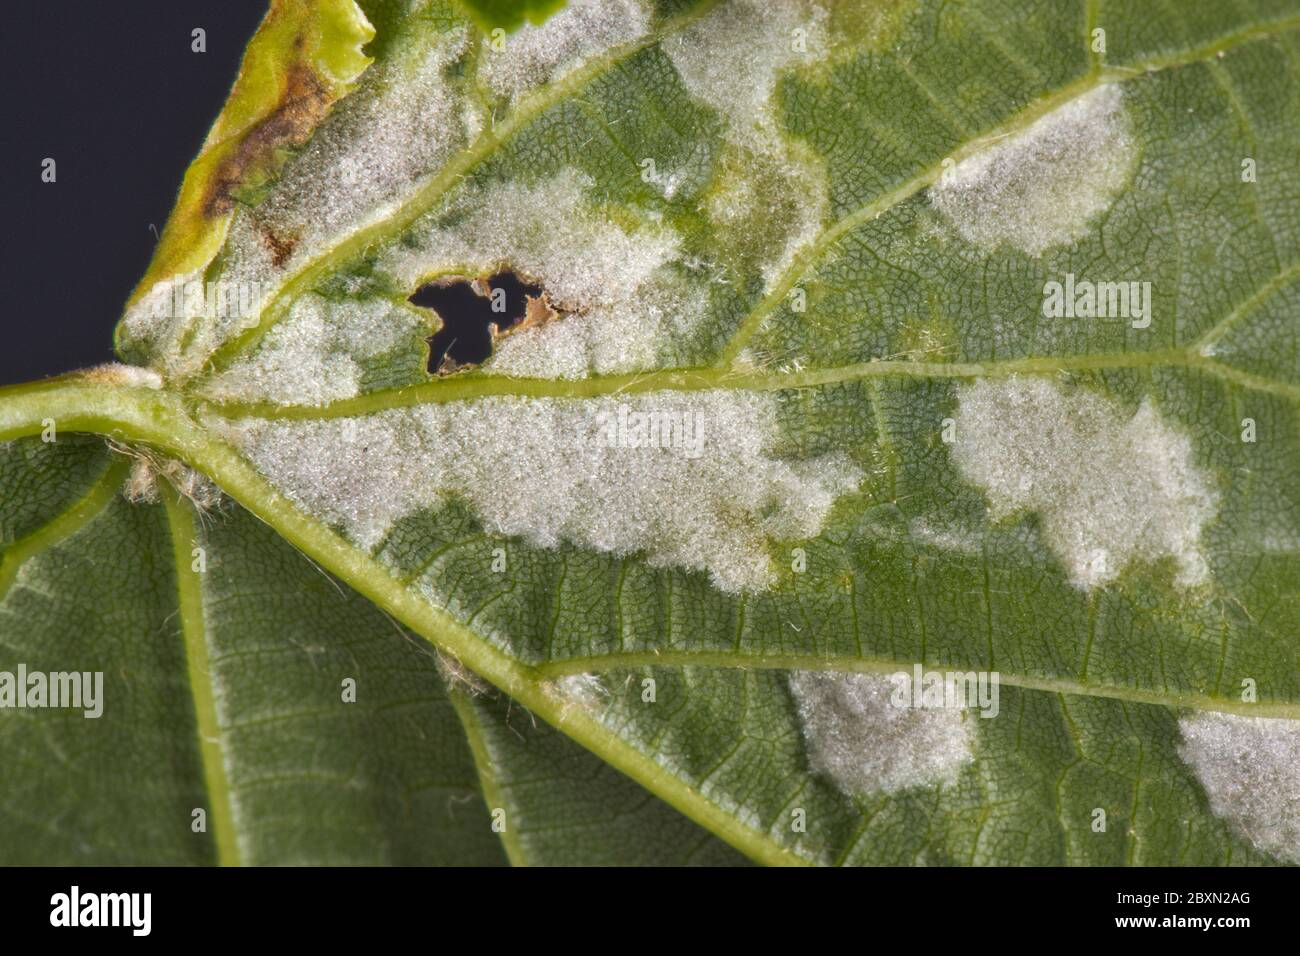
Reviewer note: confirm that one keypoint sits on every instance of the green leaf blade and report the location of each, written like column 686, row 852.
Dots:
column 829, row 235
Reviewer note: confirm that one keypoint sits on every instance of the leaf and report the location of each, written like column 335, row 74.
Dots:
column 834, row 343
column 511, row 14
column 304, row 56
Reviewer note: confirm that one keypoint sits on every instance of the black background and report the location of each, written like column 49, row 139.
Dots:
column 900, row 910
column 111, row 90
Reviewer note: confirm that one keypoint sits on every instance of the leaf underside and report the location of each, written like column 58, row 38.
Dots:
column 392, row 638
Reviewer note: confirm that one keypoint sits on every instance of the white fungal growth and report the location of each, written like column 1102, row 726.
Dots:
column 731, row 60
column 534, row 55
column 1250, row 769
column 549, row 231
column 1109, row 488
column 1044, row 185
column 115, row 373
column 625, row 301
column 380, row 141
column 928, row 534
column 378, row 146
column 313, row 356
column 607, row 339
column 585, row 690
column 686, row 479
column 155, row 323
column 865, row 743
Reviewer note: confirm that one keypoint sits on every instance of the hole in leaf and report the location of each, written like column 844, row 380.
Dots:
column 469, row 308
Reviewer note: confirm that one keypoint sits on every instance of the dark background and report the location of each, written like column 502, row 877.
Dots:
column 112, row 92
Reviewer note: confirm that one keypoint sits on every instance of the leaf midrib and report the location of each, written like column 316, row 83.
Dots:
column 705, row 378
column 159, row 419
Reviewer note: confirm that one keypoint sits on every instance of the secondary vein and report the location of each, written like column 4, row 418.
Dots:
column 63, row 525
column 221, row 821
column 484, row 766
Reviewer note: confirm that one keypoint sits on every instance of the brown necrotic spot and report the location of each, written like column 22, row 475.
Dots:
column 475, row 312
column 303, row 103
column 280, row 247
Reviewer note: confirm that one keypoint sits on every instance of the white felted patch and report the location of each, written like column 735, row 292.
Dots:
column 731, row 60
column 313, row 355
column 606, row 339
column 1110, row 488
column 1044, row 185
column 377, row 148
column 544, row 53
column 623, row 301
column 732, row 57
column 1250, row 769
column 158, row 320
column 705, row 494
column 858, row 737
column 549, row 231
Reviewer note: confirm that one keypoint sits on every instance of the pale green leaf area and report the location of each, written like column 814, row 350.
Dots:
column 831, row 376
